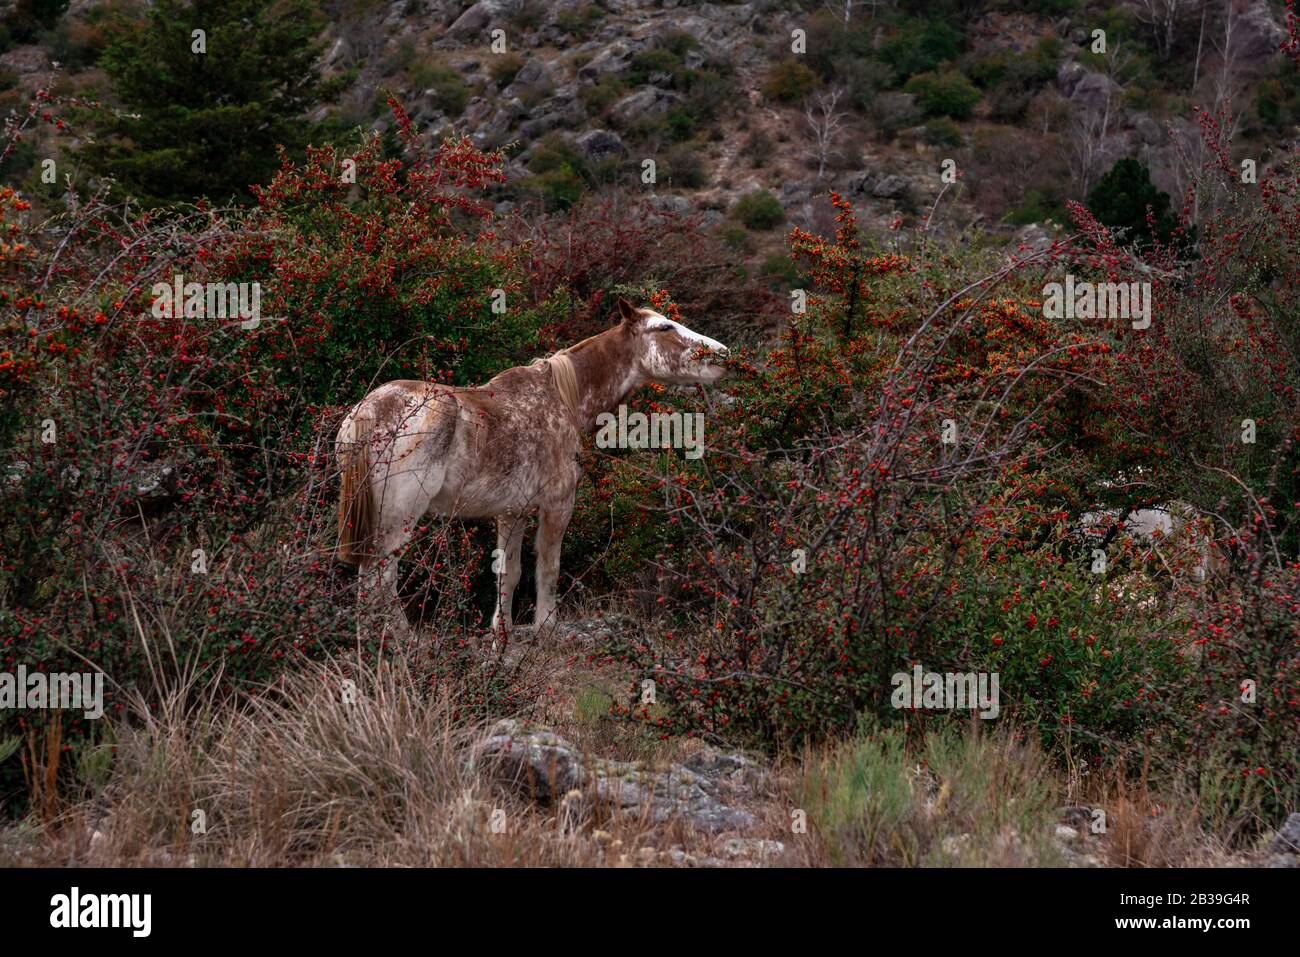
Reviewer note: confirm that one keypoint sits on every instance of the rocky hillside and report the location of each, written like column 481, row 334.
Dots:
column 751, row 112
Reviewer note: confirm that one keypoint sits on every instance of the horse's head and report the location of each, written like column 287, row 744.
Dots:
column 668, row 352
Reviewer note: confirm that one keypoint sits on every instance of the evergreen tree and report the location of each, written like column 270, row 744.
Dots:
column 1120, row 200
column 201, row 114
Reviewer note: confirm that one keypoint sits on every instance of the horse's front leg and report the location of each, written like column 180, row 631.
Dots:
column 510, row 540
column 550, row 533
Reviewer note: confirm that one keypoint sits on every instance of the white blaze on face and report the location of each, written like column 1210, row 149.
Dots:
column 655, row 321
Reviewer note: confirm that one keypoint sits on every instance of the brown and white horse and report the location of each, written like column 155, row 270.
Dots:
column 502, row 450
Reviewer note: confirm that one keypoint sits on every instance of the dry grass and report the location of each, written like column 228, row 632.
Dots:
column 982, row 798
column 344, row 765
column 337, row 765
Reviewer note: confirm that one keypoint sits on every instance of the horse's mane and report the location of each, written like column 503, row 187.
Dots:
column 566, row 379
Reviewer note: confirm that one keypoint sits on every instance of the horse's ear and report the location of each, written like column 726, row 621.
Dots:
column 627, row 311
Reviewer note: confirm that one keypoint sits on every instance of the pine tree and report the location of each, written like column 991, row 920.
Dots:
column 1120, row 200
column 200, row 115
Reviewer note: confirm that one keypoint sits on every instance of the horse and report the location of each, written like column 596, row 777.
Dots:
column 1176, row 523
column 503, row 450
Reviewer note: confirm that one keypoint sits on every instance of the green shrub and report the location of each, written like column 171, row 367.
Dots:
column 780, row 270
column 1036, row 207
column 874, row 801
column 679, row 42
column 559, row 174
column 738, row 238
column 758, row 210
column 599, row 96
column 449, row 92
column 1277, row 98
column 706, row 92
column 685, row 168
column 504, row 67
column 790, row 81
column 758, row 148
column 944, row 94
column 528, row 15
column 893, row 111
column 921, row 46
column 646, row 63
column 582, row 22
column 942, row 132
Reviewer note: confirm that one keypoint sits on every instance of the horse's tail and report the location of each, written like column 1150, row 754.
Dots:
column 356, row 498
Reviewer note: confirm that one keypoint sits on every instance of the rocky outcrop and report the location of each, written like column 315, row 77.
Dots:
column 597, row 146
column 1284, row 851
column 1256, row 39
column 1083, row 88
column 645, row 102
column 542, row 766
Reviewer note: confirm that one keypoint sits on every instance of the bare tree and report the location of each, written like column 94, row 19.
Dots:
column 1226, row 85
column 1191, row 148
column 1091, row 126
column 844, row 8
column 1164, row 17
column 1200, row 46
column 825, row 117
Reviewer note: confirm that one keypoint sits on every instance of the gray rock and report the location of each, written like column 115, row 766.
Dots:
column 677, row 205
column 1033, row 237
column 537, row 762
column 1256, row 38
column 1148, row 130
column 1068, row 75
column 473, row 21
column 891, row 187
column 494, row 131
column 534, row 75
column 1287, row 839
column 25, row 60
column 600, row 145
column 477, row 110
column 1093, row 90
column 612, row 59
column 543, row 766
column 541, row 125
column 647, row 101
column 752, row 847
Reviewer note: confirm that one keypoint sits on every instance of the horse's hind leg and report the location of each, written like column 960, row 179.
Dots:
column 378, row 601
column 510, row 540
column 403, row 497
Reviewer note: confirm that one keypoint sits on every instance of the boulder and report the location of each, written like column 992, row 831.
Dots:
column 1068, row 75
column 1256, row 38
column 541, row 125
column 1093, row 90
column 647, row 101
column 597, row 146
column 1287, row 839
column 534, row 75
column 891, row 187
column 473, row 21
column 539, row 764
column 1033, row 238
column 1148, row 130
column 611, row 59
